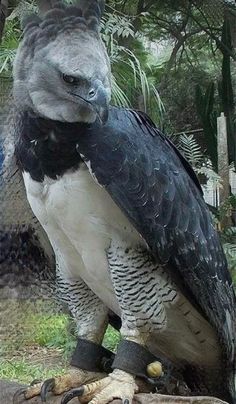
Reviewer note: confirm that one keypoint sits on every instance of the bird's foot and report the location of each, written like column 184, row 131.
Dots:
column 58, row 385
column 118, row 385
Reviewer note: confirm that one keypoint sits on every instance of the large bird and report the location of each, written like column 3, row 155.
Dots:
column 125, row 215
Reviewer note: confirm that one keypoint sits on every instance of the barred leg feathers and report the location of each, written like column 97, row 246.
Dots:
column 143, row 289
column 89, row 313
column 91, row 318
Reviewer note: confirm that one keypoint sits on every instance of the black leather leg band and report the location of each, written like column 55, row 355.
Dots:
column 92, row 357
column 134, row 358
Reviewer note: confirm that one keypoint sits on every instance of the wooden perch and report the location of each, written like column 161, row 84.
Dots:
column 8, row 389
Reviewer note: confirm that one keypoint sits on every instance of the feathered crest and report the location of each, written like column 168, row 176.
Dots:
column 56, row 17
column 93, row 8
column 90, row 10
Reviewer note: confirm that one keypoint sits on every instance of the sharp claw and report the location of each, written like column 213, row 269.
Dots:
column 72, row 394
column 47, row 386
column 17, row 395
column 35, row 381
column 126, row 401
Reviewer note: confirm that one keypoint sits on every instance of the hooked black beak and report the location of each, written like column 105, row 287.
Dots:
column 100, row 103
column 98, row 99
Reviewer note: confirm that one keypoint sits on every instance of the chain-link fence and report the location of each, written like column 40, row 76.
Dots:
column 15, row 330
column 5, row 88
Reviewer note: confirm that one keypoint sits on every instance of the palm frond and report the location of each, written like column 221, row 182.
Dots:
column 191, row 149
column 229, row 235
column 7, row 57
column 127, row 66
column 118, row 96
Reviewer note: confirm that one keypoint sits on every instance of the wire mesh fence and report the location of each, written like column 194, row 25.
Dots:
column 5, row 90
column 213, row 10
column 5, row 87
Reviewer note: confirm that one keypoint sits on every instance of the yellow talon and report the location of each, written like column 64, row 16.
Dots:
column 154, row 369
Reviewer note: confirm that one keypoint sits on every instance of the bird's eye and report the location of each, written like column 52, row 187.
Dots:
column 70, row 79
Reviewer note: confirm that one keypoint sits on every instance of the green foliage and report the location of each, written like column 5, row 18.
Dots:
column 13, row 34
column 232, row 201
column 116, row 26
column 227, row 207
column 208, row 106
column 191, row 150
column 228, row 237
column 226, row 92
column 132, row 78
column 9, row 46
column 44, row 329
column 111, row 339
column 53, row 331
column 205, row 104
column 47, row 330
column 42, row 345
column 23, row 372
column 228, row 234
column 178, row 95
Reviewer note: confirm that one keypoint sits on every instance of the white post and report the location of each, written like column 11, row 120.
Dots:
column 223, row 161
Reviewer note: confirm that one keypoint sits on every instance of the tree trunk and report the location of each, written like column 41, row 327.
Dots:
column 223, row 163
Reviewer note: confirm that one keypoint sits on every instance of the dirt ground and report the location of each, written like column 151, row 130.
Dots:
column 21, row 350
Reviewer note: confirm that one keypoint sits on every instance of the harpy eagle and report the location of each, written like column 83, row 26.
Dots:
column 125, row 216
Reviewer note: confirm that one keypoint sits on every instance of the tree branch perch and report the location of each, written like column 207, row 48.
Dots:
column 8, row 389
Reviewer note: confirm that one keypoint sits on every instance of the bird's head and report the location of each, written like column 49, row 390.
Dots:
column 62, row 70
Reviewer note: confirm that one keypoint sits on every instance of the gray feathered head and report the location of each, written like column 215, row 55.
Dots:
column 62, row 70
